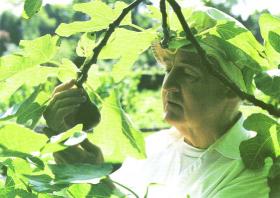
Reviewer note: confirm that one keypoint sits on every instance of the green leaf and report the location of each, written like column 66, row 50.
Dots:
column 32, row 53
column 77, row 138
column 16, row 193
column 270, row 31
column 79, row 173
column 30, row 110
column 7, row 153
column 86, row 44
column 102, row 189
column 243, row 39
column 80, row 190
column 56, row 142
column 67, row 70
column 234, row 62
column 99, row 20
column 274, row 40
column 120, row 47
column 274, row 179
column 9, row 86
column 43, row 183
column 238, row 52
column 16, row 68
column 23, row 139
column 269, row 82
column 10, row 113
column 19, row 167
column 31, row 7
column 265, row 144
column 116, row 135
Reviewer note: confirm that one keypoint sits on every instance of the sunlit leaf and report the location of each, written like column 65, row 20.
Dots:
column 116, row 135
column 56, row 142
column 86, row 45
column 79, row 173
column 67, row 70
column 24, row 140
column 265, row 144
column 43, row 183
column 270, row 31
column 119, row 47
column 16, row 68
column 99, row 20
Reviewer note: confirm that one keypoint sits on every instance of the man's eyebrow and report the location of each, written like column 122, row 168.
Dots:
column 195, row 68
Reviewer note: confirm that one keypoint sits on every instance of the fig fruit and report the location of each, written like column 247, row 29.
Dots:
column 88, row 115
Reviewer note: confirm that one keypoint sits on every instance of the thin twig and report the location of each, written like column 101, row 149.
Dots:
column 165, row 27
column 83, row 74
column 125, row 188
column 272, row 110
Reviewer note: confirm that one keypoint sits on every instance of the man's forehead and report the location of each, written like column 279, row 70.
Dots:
column 188, row 58
column 183, row 56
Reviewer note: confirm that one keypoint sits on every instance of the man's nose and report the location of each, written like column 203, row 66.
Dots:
column 170, row 82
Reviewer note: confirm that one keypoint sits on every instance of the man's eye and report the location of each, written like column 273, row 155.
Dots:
column 191, row 76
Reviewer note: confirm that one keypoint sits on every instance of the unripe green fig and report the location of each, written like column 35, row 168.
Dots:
column 88, row 115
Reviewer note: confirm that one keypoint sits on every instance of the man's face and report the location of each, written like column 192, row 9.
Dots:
column 190, row 94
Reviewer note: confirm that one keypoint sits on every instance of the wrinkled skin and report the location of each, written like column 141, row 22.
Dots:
column 197, row 104
column 70, row 106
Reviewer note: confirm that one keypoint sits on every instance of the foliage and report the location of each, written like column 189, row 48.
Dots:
column 31, row 7
column 27, row 156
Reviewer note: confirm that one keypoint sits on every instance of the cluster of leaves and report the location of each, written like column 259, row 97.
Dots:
column 26, row 157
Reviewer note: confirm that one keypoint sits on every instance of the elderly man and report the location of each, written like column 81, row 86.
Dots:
column 199, row 156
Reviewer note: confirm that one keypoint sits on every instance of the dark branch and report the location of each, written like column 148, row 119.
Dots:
column 166, row 36
column 268, row 107
column 82, row 76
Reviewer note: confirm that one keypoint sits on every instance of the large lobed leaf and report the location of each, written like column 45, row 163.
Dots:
column 270, row 31
column 32, row 53
column 265, row 144
column 115, row 135
column 225, row 39
column 63, row 140
column 79, row 173
column 101, row 16
column 19, row 68
column 23, row 139
column 126, row 46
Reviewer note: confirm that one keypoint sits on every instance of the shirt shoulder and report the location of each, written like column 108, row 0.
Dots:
column 161, row 140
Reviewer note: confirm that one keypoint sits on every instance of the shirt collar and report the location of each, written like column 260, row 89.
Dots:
column 228, row 144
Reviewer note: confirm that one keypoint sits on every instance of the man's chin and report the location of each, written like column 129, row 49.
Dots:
column 172, row 118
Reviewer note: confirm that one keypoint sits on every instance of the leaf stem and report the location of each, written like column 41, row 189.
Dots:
column 125, row 188
column 272, row 110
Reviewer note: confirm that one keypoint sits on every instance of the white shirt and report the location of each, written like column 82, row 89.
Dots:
column 175, row 169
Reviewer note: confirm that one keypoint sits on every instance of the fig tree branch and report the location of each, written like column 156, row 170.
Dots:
column 83, row 74
column 251, row 98
column 165, row 28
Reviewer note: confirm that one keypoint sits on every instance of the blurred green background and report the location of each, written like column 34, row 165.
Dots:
column 140, row 92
